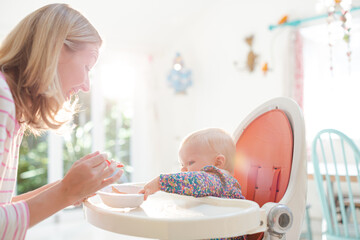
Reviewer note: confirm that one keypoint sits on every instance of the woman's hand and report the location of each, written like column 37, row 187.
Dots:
column 88, row 175
column 151, row 187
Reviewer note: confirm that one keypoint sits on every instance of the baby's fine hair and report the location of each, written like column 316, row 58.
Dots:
column 216, row 139
column 29, row 56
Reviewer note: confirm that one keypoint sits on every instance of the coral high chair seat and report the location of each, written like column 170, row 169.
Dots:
column 271, row 158
column 271, row 168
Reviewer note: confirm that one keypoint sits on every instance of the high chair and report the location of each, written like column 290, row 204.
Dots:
column 271, row 168
column 271, row 159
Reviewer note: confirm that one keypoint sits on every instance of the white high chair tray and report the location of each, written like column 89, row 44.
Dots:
column 171, row 216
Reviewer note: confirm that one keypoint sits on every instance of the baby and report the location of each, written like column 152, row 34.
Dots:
column 207, row 160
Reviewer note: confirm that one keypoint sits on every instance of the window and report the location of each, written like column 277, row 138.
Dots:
column 331, row 98
column 48, row 157
column 32, row 172
column 78, row 142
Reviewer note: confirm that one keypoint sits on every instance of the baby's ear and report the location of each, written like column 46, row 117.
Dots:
column 220, row 161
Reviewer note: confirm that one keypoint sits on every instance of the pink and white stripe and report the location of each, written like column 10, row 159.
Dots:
column 14, row 217
column 15, row 220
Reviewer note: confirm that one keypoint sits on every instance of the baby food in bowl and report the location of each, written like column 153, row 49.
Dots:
column 121, row 196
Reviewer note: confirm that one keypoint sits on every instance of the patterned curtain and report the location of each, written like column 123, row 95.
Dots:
column 298, row 90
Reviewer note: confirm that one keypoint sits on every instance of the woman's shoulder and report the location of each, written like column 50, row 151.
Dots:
column 5, row 93
column 7, row 105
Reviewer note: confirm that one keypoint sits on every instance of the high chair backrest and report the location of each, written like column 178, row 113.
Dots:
column 271, row 158
column 336, row 162
column 267, row 142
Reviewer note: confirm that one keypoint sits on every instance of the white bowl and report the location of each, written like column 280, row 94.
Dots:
column 130, row 198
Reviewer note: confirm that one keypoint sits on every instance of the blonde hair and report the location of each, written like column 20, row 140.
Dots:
column 29, row 56
column 216, row 139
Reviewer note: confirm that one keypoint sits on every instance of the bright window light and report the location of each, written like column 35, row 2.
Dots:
column 118, row 80
column 331, row 98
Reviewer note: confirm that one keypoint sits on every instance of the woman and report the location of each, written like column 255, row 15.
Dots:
column 44, row 61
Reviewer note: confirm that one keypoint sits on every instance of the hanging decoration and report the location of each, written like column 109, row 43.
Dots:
column 251, row 59
column 342, row 6
column 266, row 65
column 179, row 77
column 283, row 19
column 265, row 68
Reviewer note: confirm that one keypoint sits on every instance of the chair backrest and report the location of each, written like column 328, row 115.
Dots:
column 271, row 159
column 336, row 169
column 268, row 143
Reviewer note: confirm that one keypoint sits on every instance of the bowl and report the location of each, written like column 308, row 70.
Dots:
column 124, row 196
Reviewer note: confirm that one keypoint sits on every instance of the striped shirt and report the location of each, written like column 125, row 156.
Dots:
column 14, row 217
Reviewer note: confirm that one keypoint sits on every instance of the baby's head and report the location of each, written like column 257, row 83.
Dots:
column 212, row 146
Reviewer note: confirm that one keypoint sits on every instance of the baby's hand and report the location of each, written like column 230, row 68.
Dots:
column 79, row 202
column 151, row 187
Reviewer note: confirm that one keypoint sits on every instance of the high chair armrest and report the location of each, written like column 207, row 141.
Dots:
column 263, row 223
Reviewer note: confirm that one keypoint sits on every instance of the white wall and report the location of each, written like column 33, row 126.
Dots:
column 220, row 96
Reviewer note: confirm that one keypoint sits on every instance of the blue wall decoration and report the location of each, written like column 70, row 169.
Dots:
column 179, row 77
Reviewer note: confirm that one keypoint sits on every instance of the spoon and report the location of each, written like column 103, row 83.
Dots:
column 119, row 165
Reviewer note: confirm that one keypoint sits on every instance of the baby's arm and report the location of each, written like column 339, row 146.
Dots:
column 197, row 184
column 151, row 187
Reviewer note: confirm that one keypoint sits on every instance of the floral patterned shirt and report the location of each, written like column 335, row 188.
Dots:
column 209, row 181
